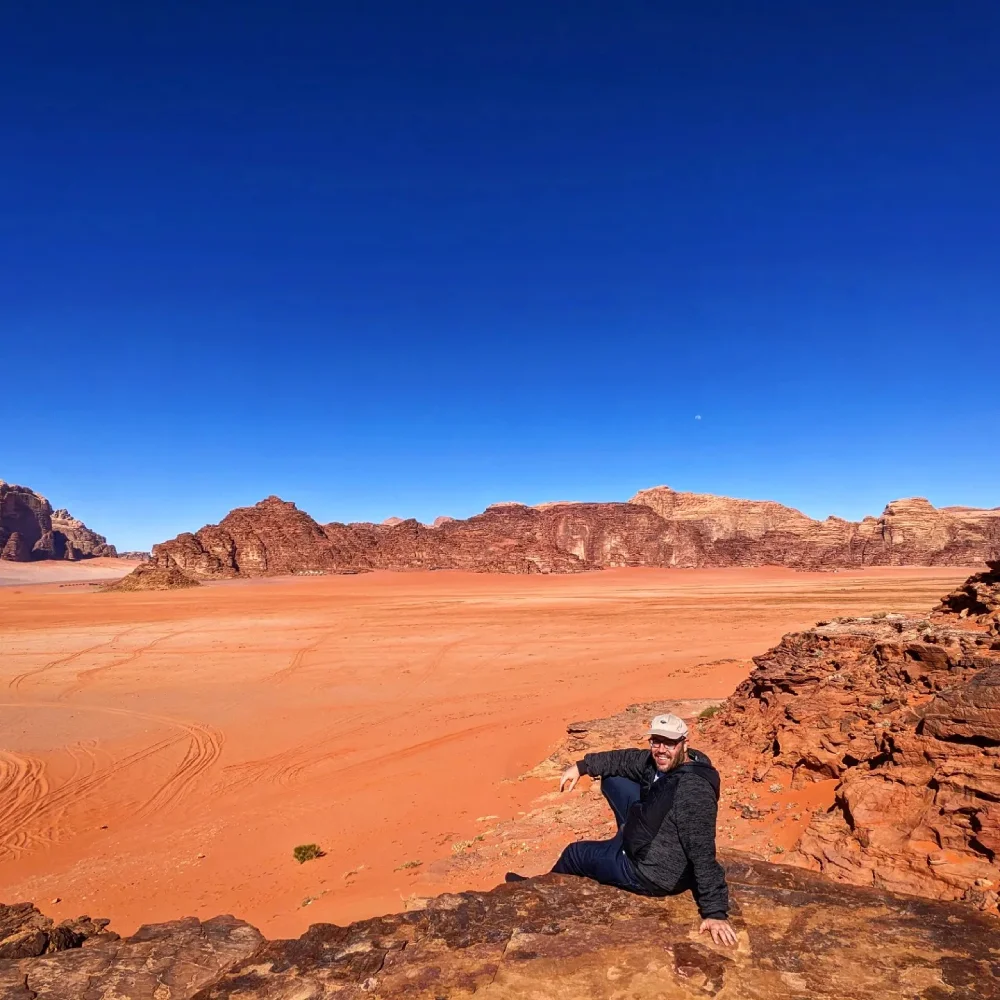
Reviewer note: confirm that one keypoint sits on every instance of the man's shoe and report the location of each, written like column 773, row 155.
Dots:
column 514, row 877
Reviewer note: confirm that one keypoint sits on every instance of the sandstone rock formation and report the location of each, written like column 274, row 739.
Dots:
column 269, row 539
column 78, row 537
column 30, row 529
column 756, row 532
column 153, row 576
column 556, row 938
column 274, row 537
column 905, row 713
column 657, row 527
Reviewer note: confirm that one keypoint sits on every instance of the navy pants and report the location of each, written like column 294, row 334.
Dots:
column 605, row 861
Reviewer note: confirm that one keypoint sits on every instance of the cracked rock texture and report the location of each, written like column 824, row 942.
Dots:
column 31, row 529
column 159, row 962
column 26, row 933
column 800, row 936
column 657, row 527
column 905, row 714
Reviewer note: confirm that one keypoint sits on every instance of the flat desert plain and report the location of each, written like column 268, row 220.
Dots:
column 161, row 754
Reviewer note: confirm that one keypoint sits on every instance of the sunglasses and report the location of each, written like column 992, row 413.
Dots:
column 662, row 741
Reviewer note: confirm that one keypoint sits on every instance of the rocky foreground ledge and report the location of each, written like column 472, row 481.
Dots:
column 552, row 937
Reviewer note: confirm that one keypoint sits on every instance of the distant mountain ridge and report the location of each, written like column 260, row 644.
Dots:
column 657, row 527
column 30, row 529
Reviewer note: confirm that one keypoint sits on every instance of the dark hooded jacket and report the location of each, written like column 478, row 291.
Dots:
column 669, row 834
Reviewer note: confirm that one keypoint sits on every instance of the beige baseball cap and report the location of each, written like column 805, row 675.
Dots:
column 668, row 726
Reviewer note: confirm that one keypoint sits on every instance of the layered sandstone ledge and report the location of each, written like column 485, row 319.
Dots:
column 657, row 527
column 554, row 937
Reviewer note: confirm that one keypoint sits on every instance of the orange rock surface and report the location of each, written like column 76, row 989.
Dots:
column 163, row 753
column 902, row 715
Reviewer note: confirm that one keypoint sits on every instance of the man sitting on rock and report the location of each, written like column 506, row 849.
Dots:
column 665, row 800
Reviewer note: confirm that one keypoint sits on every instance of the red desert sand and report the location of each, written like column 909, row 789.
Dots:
column 162, row 754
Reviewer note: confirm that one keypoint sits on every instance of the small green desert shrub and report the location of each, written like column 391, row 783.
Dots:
column 707, row 713
column 306, row 852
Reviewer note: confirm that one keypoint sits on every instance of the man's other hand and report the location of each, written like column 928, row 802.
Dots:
column 721, row 930
column 569, row 778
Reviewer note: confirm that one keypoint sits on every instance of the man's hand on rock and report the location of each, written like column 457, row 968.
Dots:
column 721, row 930
column 569, row 778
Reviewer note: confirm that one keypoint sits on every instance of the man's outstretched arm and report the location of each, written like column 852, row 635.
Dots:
column 609, row 764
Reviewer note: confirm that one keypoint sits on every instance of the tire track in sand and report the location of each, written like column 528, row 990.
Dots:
column 283, row 768
column 36, row 820
column 298, row 658
column 23, row 784
column 86, row 677
column 32, row 814
column 286, row 767
column 203, row 750
column 14, row 684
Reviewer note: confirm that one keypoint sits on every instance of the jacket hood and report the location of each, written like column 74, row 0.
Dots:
column 699, row 765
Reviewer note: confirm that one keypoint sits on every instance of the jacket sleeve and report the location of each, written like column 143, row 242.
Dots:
column 695, row 815
column 614, row 764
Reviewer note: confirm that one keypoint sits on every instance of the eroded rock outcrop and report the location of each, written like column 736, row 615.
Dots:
column 30, row 529
column 170, row 961
column 905, row 714
column 269, row 539
column 153, row 576
column 658, row 527
column 556, row 938
column 275, row 537
column 978, row 599
column 27, row 933
column 78, row 537
column 909, row 532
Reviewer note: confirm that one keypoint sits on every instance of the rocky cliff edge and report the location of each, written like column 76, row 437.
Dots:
column 552, row 938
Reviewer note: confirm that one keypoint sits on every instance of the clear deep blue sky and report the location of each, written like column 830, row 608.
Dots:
column 411, row 258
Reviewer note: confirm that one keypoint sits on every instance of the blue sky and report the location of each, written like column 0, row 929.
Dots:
column 410, row 259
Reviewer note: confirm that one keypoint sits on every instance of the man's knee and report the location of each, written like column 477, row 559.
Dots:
column 569, row 861
column 618, row 786
column 620, row 793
